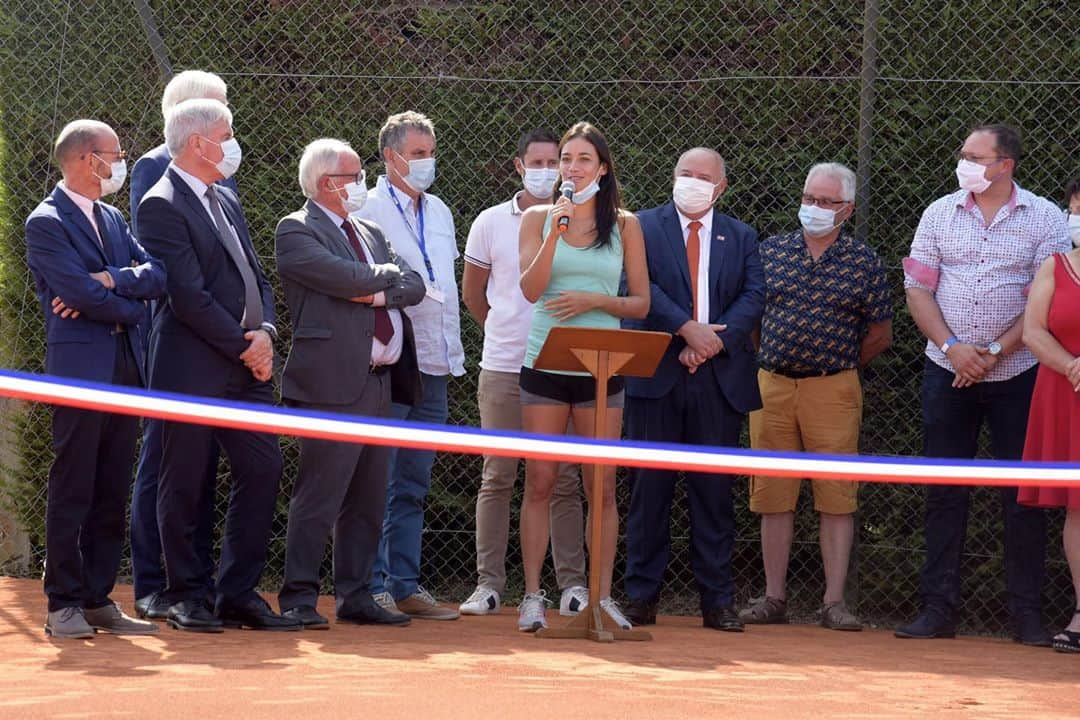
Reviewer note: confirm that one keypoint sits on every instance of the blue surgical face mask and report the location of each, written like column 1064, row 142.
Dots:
column 590, row 190
column 540, row 182
column 816, row 221
column 421, row 173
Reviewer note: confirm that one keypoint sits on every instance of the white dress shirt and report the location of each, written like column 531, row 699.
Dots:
column 380, row 354
column 85, row 204
column 705, row 235
column 436, row 324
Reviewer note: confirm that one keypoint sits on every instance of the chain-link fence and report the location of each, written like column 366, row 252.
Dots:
column 889, row 87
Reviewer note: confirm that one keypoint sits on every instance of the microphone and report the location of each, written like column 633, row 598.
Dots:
column 567, row 191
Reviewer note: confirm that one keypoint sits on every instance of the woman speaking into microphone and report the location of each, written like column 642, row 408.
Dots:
column 573, row 255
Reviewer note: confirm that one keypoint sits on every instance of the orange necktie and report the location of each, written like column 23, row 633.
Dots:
column 693, row 257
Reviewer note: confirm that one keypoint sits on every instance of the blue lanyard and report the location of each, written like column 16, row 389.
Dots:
column 419, row 238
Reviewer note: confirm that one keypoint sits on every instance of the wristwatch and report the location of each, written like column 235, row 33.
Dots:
column 948, row 344
column 994, row 348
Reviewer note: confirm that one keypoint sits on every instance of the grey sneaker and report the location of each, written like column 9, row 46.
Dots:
column 68, row 623
column 112, row 619
column 531, row 612
column 423, row 606
column 609, row 606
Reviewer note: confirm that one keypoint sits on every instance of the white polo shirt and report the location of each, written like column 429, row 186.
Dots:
column 493, row 245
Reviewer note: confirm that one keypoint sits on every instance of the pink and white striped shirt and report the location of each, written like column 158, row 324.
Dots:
column 979, row 272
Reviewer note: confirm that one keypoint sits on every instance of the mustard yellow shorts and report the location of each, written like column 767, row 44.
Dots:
column 815, row 414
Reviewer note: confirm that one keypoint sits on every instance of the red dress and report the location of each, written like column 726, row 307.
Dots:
column 1053, row 431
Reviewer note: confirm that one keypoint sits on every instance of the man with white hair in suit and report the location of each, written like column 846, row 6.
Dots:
column 147, row 569
column 352, row 348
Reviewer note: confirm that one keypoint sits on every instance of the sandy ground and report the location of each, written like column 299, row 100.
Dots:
column 483, row 668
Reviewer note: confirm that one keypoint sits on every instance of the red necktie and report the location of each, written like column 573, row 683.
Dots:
column 693, row 256
column 384, row 329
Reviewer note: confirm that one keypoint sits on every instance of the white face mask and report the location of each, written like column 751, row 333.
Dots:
column 1074, row 229
column 111, row 184
column 817, row 221
column 355, row 196
column 590, row 190
column 231, row 156
column 692, row 195
column 421, row 173
column 540, row 182
column 972, row 176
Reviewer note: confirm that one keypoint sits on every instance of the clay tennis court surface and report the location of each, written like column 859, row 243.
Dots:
column 480, row 668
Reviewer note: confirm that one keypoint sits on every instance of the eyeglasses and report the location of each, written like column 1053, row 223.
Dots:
column 357, row 178
column 823, row 202
column 120, row 154
column 990, row 160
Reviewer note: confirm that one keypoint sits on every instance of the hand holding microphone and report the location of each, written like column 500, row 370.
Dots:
column 564, row 208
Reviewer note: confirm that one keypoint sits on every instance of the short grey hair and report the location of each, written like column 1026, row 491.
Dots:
column 78, row 138
column 842, row 173
column 191, row 85
column 393, row 131
column 320, row 157
column 192, row 117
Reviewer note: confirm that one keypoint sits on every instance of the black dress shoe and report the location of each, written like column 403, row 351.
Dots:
column 370, row 612
column 1029, row 630
column 928, row 626
column 256, row 614
column 152, row 607
column 723, row 618
column 640, row 612
column 308, row 617
column 192, row 616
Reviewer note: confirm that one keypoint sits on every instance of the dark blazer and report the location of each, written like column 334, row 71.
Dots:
column 197, row 339
column 331, row 340
column 147, row 171
column 62, row 250
column 736, row 297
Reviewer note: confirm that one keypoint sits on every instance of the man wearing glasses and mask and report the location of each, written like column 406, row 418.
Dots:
column 973, row 258
column 827, row 314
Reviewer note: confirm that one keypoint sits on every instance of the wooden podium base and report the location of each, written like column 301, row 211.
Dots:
column 589, row 625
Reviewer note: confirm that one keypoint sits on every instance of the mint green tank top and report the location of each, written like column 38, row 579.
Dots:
column 591, row 269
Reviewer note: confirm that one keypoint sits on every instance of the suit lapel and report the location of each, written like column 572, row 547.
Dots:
column 669, row 221
column 194, row 203
column 718, row 247
column 330, row 232
column 79, row 220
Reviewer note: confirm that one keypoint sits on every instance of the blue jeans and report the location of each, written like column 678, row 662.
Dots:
column 952, row 419
column 397, row 567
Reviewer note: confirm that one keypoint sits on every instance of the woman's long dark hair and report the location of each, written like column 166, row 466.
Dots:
column 608, row 200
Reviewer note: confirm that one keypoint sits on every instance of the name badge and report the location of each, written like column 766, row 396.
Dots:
column 436, row 294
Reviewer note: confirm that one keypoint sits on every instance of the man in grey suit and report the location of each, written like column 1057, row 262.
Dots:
column 352, row 349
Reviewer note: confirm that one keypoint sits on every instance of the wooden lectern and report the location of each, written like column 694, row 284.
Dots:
column 603, row 353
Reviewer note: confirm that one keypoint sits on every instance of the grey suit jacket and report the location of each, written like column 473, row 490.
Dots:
column 330, row 356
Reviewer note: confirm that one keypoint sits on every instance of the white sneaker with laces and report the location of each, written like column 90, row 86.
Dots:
column 483, row 601
column 531, row 612
column 574, row 599
column 611, row 607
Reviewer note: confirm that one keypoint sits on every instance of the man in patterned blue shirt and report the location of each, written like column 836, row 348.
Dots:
column 827, row 313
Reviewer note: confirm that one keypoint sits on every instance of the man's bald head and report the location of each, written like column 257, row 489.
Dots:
column 703, row 163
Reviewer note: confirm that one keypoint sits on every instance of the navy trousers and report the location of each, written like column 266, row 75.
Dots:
column 87, row 494
column 695, row 413
column 952, row 420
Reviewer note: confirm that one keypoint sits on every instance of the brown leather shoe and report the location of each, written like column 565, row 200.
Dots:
column 423, row 606
column 765, row 610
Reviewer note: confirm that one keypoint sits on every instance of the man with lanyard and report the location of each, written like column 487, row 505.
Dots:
column 420, row 228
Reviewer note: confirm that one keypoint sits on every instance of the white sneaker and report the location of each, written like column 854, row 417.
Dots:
column 574, row 599
column 612, row 609
column 531, row 612
column 483, row 601
column 386, row 601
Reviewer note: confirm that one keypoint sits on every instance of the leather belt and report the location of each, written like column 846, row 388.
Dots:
column 803, row 374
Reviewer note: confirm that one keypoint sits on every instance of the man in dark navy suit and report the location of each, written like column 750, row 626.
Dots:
column 93, row 280
column 147, row 568
column 213, row 336
column 707, row 288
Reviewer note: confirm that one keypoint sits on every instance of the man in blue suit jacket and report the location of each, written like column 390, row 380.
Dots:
column 92, row 279
column 707, row 288
column 148, row 572
column 213, row 336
